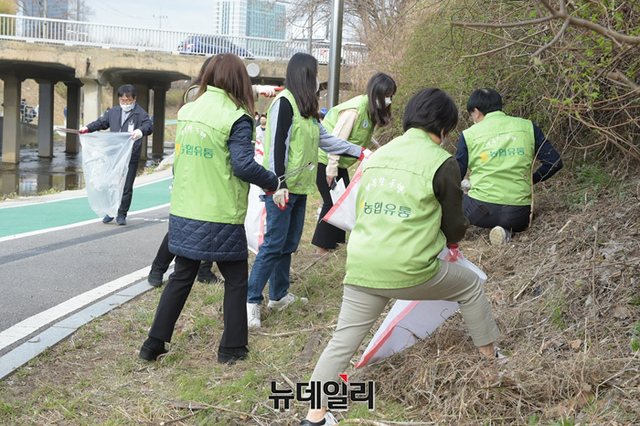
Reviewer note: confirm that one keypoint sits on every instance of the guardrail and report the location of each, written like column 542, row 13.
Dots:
column 76, row 33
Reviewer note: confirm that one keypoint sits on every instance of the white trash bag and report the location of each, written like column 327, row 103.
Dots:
column 343, row 213
column 411, row 320
column 105, row 163
column 255, row 221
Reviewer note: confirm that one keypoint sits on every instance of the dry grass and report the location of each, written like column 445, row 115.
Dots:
column 565, row 294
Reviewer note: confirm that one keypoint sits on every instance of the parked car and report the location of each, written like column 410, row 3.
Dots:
column 352, row 53
column 211, row 45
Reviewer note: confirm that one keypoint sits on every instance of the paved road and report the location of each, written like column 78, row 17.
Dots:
column 57, row 257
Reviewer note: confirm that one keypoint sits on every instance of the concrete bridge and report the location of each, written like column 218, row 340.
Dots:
column 85, row 67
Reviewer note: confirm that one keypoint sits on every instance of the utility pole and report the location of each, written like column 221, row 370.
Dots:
column 310, row 41
column 335, row 54
column 160, row 18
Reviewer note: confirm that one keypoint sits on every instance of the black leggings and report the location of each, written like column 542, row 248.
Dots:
column 488, row 215
column 326, row 235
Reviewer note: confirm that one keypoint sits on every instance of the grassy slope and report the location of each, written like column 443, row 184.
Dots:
column 564, row 293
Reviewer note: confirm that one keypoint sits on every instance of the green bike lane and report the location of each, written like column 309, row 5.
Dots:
column 26, row 216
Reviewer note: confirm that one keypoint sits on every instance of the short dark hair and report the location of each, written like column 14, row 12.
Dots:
column 302, row 73
column 432, row 110
column 380, row 86
column 486, row 100
column 126, row 90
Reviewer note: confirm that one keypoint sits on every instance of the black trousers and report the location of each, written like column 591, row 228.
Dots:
column 488, row 215
column 127, row 194
column 326, row 235
column 175, row 294
column 164, row 258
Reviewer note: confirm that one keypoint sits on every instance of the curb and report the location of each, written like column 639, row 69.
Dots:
column 59, row 331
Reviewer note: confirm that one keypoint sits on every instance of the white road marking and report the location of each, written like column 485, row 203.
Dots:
column 32, row 324
column 74, row 225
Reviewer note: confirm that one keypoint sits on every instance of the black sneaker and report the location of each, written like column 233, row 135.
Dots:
column 151, row 349
column 231, row 355
column 121, row 220
column 155, row 278
column 107, row 219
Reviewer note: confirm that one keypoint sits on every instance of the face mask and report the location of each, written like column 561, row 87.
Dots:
column 263, row 121
column 127, row 108
column 317, row 84
column 387, row 102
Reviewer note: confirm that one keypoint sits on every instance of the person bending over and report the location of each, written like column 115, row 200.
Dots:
column 499, row 151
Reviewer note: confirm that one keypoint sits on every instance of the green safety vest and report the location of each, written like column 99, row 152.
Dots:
column 397, row 238
column 303, row 149
column 204, row 187
column 501, row 153
column 360, row 133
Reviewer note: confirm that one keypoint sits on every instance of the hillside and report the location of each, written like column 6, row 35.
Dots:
column 565, row 294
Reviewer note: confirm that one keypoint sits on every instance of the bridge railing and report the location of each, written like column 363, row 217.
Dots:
column 76, row 33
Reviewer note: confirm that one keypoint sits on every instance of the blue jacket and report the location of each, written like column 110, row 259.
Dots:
column 112, row 118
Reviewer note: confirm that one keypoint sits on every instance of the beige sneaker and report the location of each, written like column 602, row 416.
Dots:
column 285, row 301
column 253, row 315
column 499, row 236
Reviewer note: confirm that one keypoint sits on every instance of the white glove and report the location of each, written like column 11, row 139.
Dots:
column 266, row 91
column 281, row 198
column 137, row 134
column 84, row 129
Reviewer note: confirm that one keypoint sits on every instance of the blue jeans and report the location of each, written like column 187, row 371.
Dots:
column 284, row 230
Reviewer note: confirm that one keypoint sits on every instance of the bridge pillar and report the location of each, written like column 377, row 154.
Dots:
column 143, row 101
column 159, row 103
column 45, row 119
column 73, row 116
column 10, row 182
column 11, row 121
column 92, row 100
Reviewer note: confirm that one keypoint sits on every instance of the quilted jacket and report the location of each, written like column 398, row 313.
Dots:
column 214, row 241
column 210, row 241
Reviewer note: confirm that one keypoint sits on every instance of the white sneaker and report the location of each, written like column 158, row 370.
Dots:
column 327, row 420
column 285, row 301
column 253, row 315
column 499, row 236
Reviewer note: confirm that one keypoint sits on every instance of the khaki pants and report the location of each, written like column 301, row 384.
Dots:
column 362, row 306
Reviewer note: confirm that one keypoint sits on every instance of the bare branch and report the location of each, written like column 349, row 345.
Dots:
column 555, row 39
column 509, row 25
column 489, row 52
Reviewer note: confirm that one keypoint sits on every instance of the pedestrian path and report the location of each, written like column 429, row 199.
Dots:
column 21, row 217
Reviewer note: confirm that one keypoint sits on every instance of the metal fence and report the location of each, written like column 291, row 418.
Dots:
column 75, row 33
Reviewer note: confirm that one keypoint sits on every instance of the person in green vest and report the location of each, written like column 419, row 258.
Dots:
column 164, row 257
column 355, row 121
column 291, row 142
column 213, row 168
column 409, row 207
column 500, row 152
